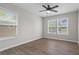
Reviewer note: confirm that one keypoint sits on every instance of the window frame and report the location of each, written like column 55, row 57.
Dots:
column 63, row 26
column 48, row 27
column 57, row 26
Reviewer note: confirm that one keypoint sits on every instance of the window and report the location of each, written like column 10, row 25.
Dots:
column 58, row 26
column 62, row 26
column 8, row 24
column 52, row 26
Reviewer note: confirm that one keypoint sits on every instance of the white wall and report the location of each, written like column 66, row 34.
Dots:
column 73, row 27
column 29, row 27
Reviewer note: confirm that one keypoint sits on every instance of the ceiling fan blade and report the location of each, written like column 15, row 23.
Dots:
column 43, row 10
column 44, row 6
column 54, row 7
column 48, row 6
column 54, row 10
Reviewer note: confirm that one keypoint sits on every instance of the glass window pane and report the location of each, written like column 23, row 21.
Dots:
column 63, row 22
column 52, row 30
column 62, row 30
column 52, row 26
column 62, row 26
column 52, row 23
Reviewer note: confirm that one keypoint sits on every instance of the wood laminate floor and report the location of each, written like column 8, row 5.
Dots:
column 44, row 47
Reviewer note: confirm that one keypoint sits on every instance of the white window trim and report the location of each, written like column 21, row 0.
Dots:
column 57, row 33
column 48, row 27
column 67, row 26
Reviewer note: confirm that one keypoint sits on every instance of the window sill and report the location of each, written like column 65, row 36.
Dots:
column 6, row 38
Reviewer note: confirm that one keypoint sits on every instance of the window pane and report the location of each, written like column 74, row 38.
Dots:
column 52, row 26
column 62, row 26
column 52, row 23
column 62, row 30
column 63, row 22
column 52, row 30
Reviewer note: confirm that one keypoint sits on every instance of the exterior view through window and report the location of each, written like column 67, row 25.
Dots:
column 8, row 24
column 58, row 26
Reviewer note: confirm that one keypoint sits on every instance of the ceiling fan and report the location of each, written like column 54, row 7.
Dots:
column 49, row 8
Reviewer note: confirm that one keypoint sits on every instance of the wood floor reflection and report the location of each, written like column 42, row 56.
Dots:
column 44, row 47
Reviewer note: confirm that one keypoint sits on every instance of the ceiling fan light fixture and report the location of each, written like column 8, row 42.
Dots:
column 48, row 11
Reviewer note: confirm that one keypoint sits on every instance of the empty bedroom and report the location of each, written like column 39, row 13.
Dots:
column 39, row 28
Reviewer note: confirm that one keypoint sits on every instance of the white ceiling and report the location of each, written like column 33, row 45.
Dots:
column 36, row 7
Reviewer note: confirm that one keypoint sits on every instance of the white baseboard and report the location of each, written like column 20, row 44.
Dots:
column 11, row 46
column 63, row 40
